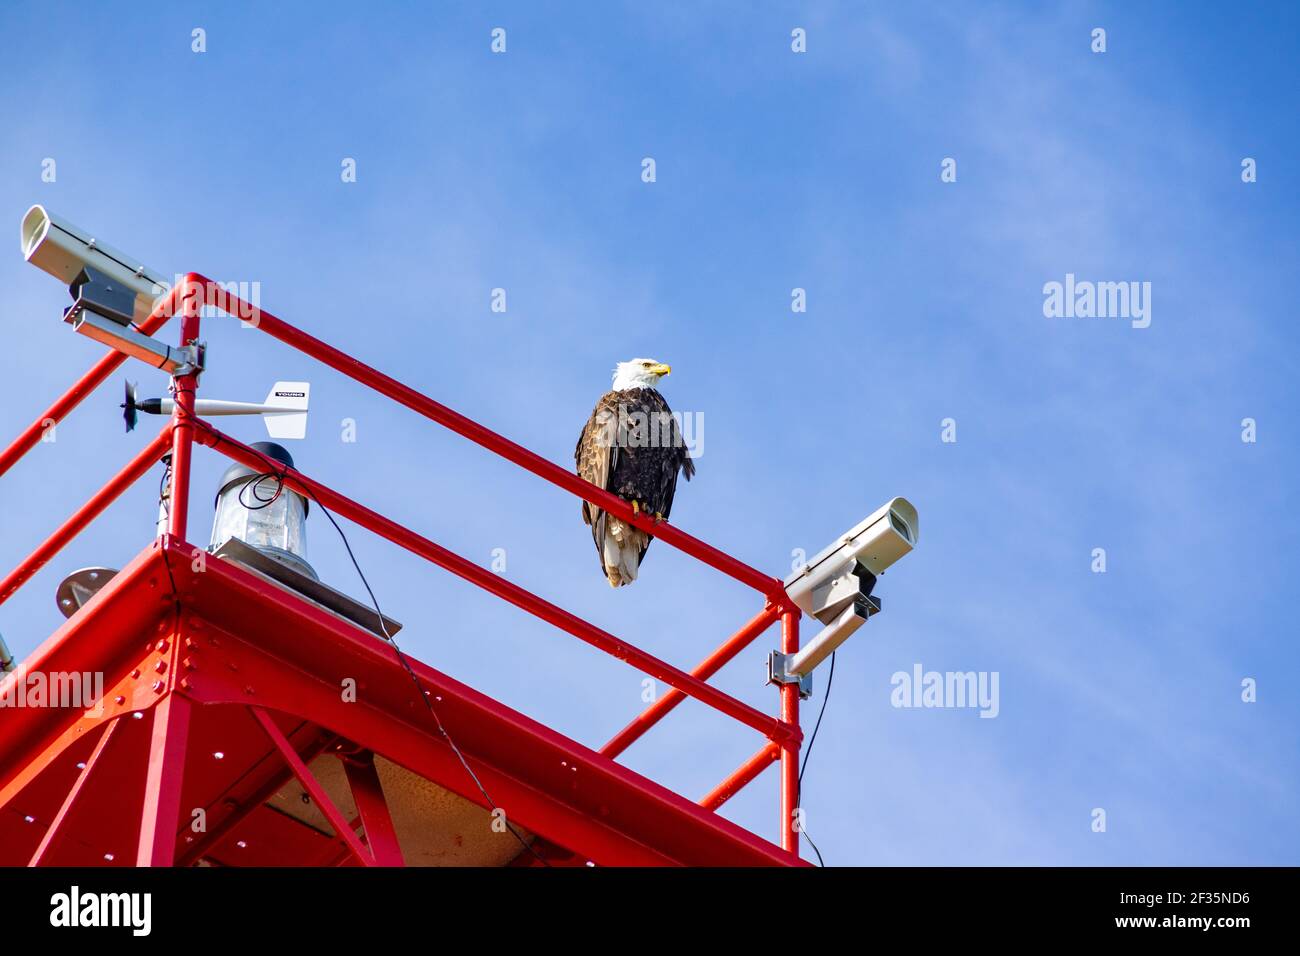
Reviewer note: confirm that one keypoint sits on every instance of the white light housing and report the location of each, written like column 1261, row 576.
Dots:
column 874, row 543
column 836, row 587
column 63, row 250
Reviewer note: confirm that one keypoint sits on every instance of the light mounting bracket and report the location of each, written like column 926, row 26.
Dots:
column 778, row 672
column 797, row 668
column 90, row 321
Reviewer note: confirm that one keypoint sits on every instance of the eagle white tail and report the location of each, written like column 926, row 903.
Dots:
column 622, row 550
column 292, row 422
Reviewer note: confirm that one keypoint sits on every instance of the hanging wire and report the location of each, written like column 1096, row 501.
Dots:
column 808, row 753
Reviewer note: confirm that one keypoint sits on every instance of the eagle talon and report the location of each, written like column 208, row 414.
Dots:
column 659, row 517
column 636, row 509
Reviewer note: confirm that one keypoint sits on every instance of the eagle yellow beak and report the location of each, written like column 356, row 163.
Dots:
column 661, row 369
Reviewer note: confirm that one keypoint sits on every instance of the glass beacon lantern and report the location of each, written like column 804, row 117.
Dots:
column 249, row 509
column 266, row 533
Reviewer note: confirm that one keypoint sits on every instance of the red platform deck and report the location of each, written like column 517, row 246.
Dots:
column 239, row 644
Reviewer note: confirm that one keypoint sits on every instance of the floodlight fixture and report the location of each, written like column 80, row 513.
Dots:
column 836, row 587
column 112, row 292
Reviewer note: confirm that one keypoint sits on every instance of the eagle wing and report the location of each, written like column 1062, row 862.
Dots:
column 679, row 458
column 613, row 453
column 596, row 457
column 597, row 453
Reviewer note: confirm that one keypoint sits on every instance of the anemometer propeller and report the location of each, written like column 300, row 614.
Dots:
column 284, row 412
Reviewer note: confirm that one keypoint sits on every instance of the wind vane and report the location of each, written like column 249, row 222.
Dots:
column 284, row 411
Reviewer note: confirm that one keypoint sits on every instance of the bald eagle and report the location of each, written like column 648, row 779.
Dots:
column 631, row 446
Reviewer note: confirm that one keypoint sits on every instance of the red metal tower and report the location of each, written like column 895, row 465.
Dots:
column 222, row 737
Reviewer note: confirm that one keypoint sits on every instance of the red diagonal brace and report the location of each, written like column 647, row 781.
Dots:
column 741, row 777
column 139, row 465
column 703, row 671
column 70, row 800
column 332, row 813
column 93, row 378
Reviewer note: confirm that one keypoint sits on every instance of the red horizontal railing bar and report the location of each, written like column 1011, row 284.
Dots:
column 741, row 777
column 214, row 295
column 93, row 378
column 704, row 670
column 137, row 468
column 769, row 726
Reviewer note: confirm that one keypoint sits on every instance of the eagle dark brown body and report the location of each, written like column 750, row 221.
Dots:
column 631, row 446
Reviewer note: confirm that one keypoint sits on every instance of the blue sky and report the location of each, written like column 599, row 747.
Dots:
column 775, row 170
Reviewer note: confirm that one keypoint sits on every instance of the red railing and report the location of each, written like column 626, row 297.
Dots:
column 195, row 291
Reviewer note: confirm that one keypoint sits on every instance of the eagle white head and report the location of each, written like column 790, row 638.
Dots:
column 639, row 373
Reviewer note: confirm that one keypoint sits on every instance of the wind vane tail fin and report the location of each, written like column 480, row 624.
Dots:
column 293, row 398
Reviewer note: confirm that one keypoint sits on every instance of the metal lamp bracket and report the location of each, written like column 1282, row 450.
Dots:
column 103, row 325
column 778, row 672
column 190, row 357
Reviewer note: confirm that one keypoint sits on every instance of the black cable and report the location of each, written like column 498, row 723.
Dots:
column 820, row 861
column 164, row 483
column 830, row 678
column 279, row 471
column 176, row 597
column 254, row 485
column 402, row 659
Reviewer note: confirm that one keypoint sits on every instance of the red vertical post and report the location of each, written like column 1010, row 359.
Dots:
column 183, row 387
column 789, row 751
column 160, row 815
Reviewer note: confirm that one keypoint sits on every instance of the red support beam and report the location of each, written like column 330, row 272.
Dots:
column 217, row 297
column 703, row 671
column 74, row 396
column 34, row 737
column 160, row 815
column 345, row 853
column 789, row 754
column 249, row 803
column 293, row 653
column 18, row 775
column 183, row 388
column 77, row 788
column 254, row 643
column 139, row 465
column 332, row 813
column 496, row 584
column 373, row 807
column 741, row 777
